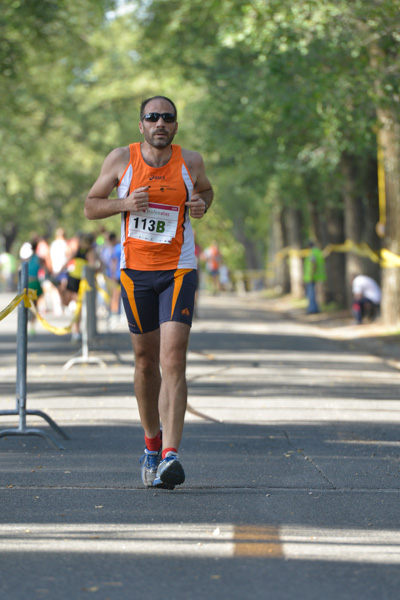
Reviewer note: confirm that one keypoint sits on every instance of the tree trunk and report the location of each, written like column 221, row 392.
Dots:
column 293, row 228
column 250, row 249
column 286, row 260
column 353, row 219
column 320, row 234
column 318, row 225
column 336, row 261
column 277, row 242
column 389, row 136
column 389, row 140
column 370, row 236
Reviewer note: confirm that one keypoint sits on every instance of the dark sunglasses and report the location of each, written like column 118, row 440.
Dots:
column 154, row 117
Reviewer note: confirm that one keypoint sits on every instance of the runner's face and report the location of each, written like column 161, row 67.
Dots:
column 159, row 134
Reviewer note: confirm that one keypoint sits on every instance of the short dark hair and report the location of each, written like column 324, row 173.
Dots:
column 145, row 102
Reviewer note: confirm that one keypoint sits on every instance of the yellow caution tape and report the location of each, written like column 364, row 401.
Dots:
column 389, row 259
column 10, row 307
column 83, row 288
column 349, row 246
column 27, row 296
column 51, row 328
column 381, row 180
column 299, row 253
column 103, row 293
column 385, row 258
column 371, row 254
column 279, row 257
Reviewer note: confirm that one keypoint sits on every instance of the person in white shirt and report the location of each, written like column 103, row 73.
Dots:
column 59, row 252
column 366, row 295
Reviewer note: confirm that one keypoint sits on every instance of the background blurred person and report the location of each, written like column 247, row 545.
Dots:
column 36, row 274
column 212, row 259
column 8, row 272
column 85, row 255
column 314, row 274
column 367, row 297
column 59, row 255
column 43, row 251
column 111, row 257
column 59, row 252
column 224, row 278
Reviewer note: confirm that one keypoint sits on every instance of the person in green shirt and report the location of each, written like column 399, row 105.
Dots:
column 8, row 272
column 36, row 274
column 314, row 273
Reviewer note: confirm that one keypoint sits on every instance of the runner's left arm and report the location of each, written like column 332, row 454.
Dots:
column 203, row 194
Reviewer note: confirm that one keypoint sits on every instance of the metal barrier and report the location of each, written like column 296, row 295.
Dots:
column 88, row 325
column 21, row 387
column 91, row 295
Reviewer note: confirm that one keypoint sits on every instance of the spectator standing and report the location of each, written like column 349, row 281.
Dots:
column 314, row 275
column 8, row 272
column 212, row 259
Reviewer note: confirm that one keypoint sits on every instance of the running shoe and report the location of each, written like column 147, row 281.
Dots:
column 149, row 461
column 170, row 472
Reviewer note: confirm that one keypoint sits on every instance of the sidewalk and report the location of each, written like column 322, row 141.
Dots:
column 372, row 337
column 293, row 474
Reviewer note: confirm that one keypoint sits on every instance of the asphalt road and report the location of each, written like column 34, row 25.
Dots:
column 293, row 472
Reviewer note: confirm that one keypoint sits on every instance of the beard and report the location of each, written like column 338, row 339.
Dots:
column 160, row 142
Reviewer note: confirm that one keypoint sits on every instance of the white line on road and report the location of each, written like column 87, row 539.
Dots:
column 206, row 541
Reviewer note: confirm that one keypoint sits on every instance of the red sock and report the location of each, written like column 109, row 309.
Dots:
column 164, row 452
column 153, row 444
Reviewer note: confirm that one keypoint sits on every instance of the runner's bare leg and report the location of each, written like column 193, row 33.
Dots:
column 173, row 392
column 147, row 379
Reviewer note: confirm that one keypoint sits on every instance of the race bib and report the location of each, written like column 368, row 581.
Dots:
column 157, row 224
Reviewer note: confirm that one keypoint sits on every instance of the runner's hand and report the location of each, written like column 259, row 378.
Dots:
column 138, row 200
column 197, row 206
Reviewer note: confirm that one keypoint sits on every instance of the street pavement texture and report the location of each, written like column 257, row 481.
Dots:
column 291, row 451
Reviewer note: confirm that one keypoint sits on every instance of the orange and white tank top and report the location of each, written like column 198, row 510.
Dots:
column 160, row 238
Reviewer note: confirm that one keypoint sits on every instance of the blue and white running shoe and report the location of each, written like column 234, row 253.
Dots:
column 170, row 472
column 149, row 461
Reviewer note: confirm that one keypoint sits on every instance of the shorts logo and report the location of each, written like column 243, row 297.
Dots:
column 186, row 312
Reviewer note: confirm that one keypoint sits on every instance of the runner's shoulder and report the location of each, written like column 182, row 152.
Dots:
column 191, row 156
column 119, row 156
column 116, row 162
column 194, row 161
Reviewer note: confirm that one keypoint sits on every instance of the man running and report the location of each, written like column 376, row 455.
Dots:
column 158, row 185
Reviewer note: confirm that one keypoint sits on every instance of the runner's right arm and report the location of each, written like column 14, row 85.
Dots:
column 98, row 204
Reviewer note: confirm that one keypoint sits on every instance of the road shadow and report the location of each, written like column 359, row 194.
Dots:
column 238, row 460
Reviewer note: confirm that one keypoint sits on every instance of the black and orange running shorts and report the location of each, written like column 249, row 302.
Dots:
column 154, row 297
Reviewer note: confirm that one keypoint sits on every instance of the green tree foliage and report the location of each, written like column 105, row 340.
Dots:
column 44, row 51
column 290, row 89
